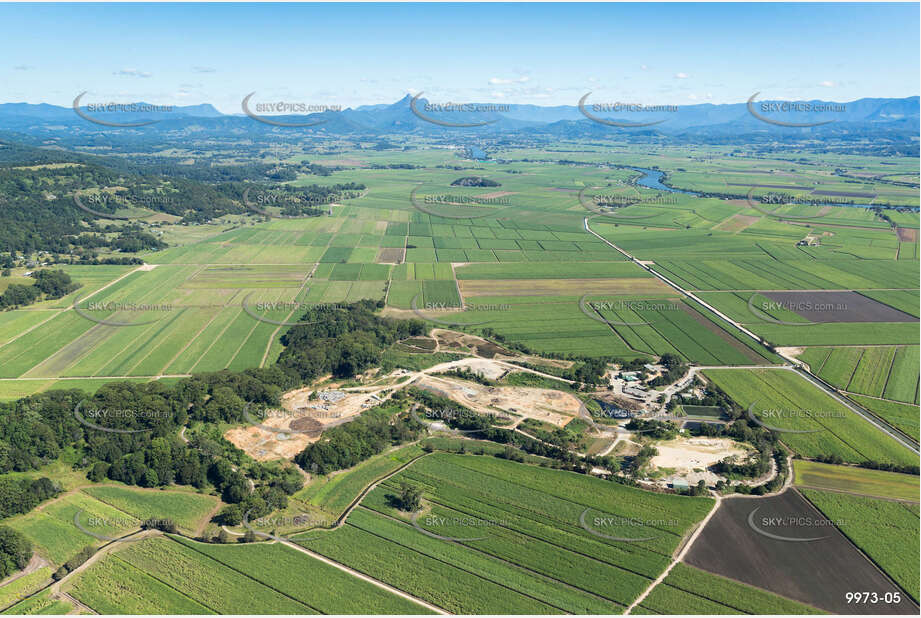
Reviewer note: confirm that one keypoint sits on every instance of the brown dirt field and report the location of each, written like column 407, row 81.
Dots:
column 907, row 234
column 737, row 223
column 829, row 307
column 554, row 287
column 549, row 406
column 265, row 445
column 453, row 341
column 817, row 572
column 390, row 256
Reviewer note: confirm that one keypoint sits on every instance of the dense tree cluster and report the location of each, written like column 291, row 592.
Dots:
column 22, row 495
column 15, row 551
column 49, row 284
column 347, row 445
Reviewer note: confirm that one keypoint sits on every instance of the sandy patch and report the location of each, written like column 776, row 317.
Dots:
column 690, row 458
column 305, row 418
column 550, row 406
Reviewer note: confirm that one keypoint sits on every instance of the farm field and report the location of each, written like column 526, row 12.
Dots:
column 536, row 515
column 886, row 531
column 901, row 415
column 889, row 372
column 687, row 590
column 849, row 479
column 735, row 544
column 795, row 404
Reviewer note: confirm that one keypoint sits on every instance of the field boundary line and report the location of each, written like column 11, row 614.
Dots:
column 55, row 313
column 857, row 494
column 246, row 575
column 860, row 551
column 268, row 345
column 679, row 557
column 367, row 578
column 477, row 575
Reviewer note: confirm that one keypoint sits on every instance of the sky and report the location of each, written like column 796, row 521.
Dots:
column 542, row 54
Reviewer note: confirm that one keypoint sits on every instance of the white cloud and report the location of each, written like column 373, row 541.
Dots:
column 204, row 69
column 681, row 75
column 643, row 67
column 131, row 73
column 827, row 84
column 23, row 67
column 499, row 81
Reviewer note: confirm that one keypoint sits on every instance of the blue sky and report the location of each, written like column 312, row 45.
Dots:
column 545, row 54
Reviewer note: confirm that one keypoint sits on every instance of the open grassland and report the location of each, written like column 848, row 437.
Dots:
column 873, row 483
column 786, row 400
column 56, row 537
column 534, row 513
column 886, row 531
column 687, row 590
column 185, row 508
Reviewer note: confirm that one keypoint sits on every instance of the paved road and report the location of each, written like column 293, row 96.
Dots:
column 795, row 365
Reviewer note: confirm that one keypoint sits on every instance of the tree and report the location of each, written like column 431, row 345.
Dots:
column 410, row 497
column 248, row 537
column 15, row 551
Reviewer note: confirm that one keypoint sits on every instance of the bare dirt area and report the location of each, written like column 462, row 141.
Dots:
column 907, row 234
column 737, row 223
column 737, row 543
column 690, row 458
column 305, row 419
column 390, row 256
column 830, row 307
column 554, row 407
column 454, row 341
column 555, row 287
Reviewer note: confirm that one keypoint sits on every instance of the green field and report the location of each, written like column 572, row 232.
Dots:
column 687, row 590
column 538, row 512
column 886, row 531
column 874, row 483
column 797, row 405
